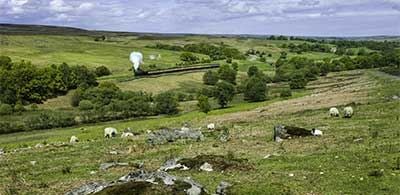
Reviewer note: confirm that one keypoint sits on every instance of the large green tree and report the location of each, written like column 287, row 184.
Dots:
column 256, row 89
column 210, row 78
column 224, row 93
column 228, row 74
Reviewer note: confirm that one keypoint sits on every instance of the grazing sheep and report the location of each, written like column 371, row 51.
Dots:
column 110, row 132
column 334, row 112
column 73, row 139
column 348, row 112
column 211, row 126
column 316, row 132
column 127, row 135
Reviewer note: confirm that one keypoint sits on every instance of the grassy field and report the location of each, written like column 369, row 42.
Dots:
column 344, row 160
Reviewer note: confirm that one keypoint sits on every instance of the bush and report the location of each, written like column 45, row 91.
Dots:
column 224, row 93
column 19, row 108
column 210, row 78
column 6, row 109
column 253, row 70
column 102, row 71
column 284, row 93
column 76, row 98
column 85, row 105
column 227, row 74
column 255, row 89
column 166, row 103
column 203, row 104
column 298, row 81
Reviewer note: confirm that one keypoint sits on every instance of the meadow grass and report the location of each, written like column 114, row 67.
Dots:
column 332, row 164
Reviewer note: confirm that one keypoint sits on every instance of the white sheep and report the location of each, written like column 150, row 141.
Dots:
column 110, row 132
column 334, row 112
column 211, row 126
column 316, row 132
column 127, row 135
column 348, row 112
column 73, row 139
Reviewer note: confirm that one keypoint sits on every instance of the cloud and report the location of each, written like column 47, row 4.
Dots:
column 60, row 6
column 222, row 16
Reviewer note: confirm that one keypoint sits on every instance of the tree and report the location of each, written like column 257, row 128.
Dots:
column 5, row 109
column 253, row 70
column 226, row 73
column 5, row 62
column 224, row 93
column 210, row 78
column 255, row 89
column 85, row 105
column 298, row 81
column 189, row 57
column 203, row 104
column 102, row 71
column 166, row 103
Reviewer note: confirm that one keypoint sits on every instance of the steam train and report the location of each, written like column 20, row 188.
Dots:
column 140, row 72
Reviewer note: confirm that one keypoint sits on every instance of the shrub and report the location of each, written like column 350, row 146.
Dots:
column 76, row 98
column 19, row 108
column 255, row 89
column 210, row 78
column 224, row 93
column 102, row 71
column 203, row 104
column 298, row 81
column 85, row 105
column 253, row 70
column 166, row 103
column 5, row 109
column 227, row 74
column 284, row 93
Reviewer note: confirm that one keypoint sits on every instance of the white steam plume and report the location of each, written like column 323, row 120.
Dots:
column 136, row 59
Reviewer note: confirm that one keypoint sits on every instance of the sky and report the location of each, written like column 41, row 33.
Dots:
column 263, row 17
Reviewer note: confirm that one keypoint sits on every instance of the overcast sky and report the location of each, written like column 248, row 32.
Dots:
column 288, row 17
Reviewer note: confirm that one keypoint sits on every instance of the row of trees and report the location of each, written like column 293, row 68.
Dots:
column 299, row 70
column 23, row 83
column 222, row 86
column 215, row 52
column 306, row 47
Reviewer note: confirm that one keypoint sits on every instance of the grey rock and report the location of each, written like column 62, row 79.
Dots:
column 1, row 151
column 222, row 188
column 105, row 166
column 165, row 135
column 172, row 164
column 224, row 136
column 88, row 188
column 206, row 167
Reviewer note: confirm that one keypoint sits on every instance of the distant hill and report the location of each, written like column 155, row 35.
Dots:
column 24, row 29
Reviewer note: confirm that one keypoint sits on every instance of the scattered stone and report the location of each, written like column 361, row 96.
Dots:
column 291, row 174
column 287, row 132
column 88, row 188
column 165, row 135
column 158, row 182
column 172, row 164
column 33, row 163
column 217, row 163
column 361, row 178
column 39, row 145
column 110, row 132
column 225, row 135
column 358, row 140
column 93, row 172
column 395, row 97
column 206, row 167
column 1, row 151
column 113, row 152
column 223, row 188
column 321, row 173
column 316, row 132
column 105, row 166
